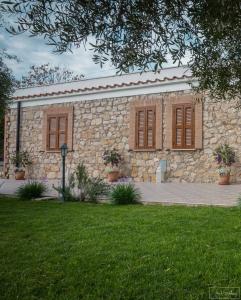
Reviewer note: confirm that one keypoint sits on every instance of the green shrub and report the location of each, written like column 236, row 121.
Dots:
column 82, row 179
column 125, row 194
column 90, row 189
column 68, row 195
column 95, row 188
column 239, row 201
column 81, row 187
column 31, row 190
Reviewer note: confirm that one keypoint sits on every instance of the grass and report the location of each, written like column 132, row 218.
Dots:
column 86, row 251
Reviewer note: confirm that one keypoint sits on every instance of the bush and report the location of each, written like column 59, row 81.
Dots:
column 68, row 195
column 31, row 190
column 81, row 187
column 95, row 188
column 125, row 194
column 90, row 189
column 82, row 179
column 239, row 201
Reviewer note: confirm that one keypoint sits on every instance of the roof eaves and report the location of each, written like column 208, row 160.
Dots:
column 103, row 87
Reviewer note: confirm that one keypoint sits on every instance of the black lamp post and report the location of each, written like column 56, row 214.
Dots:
column 64, row 151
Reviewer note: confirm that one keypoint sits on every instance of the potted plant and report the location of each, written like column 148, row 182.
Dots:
column 22, row 160
column 113, row 159
column 224, row 156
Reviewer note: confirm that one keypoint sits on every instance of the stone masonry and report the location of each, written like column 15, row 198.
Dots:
column 104, row 124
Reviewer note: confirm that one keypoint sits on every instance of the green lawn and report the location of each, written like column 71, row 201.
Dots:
column 83, row 251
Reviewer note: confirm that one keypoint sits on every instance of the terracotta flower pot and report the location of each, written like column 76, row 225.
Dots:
column 224, row 179
column 113, row 176
column 20, row 175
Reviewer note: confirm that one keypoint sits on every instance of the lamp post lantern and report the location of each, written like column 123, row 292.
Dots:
column 64, row 152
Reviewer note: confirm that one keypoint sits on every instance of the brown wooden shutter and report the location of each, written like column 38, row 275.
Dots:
column 57, row 128
column 52, row 137
column 152, row 105
column 188, row 136
column 150, row 127
column 183, row 135
column 193, row 133
column 145, row 128
column 140, row 128
column 62, row 134
column 177, row 126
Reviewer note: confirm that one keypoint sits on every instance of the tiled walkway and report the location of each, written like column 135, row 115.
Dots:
column 190, row 193
column 9, row 186
column 166, row 193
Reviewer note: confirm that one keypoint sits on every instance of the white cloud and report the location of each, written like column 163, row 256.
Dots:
column 34, row 51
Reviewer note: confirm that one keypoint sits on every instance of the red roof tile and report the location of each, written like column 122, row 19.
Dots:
column 101, row 87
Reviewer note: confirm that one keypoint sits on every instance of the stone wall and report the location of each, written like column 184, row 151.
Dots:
column 104, row 124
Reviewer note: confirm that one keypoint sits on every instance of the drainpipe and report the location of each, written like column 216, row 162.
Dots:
column 18, row 130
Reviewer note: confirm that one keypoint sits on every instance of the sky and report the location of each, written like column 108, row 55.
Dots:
column 34, row 51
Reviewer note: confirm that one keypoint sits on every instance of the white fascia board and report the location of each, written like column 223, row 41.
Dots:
column 172, row 86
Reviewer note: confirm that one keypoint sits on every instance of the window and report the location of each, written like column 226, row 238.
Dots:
column 145, row 123
column 145, row 127
column 183, row 126
column 57, row 129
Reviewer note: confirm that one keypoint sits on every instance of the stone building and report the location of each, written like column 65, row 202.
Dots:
column 148, row 117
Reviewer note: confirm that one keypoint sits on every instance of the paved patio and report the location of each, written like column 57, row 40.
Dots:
column 166, row 193
column 190, row 193
column 10, row 186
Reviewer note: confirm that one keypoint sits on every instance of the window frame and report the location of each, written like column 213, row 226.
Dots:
column 57, row 132
column 58, row 111
column 145, row 109
column 183, row 126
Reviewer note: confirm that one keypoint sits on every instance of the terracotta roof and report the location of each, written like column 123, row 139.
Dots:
column 102, row 87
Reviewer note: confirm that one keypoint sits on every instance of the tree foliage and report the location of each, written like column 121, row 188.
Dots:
column 46, row 74
column 6, row 89
column 143, row 34
column 6, row 86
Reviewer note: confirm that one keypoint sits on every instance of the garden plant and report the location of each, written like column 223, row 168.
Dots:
column 224, row 155
column 31, row 190
column 125, row 194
